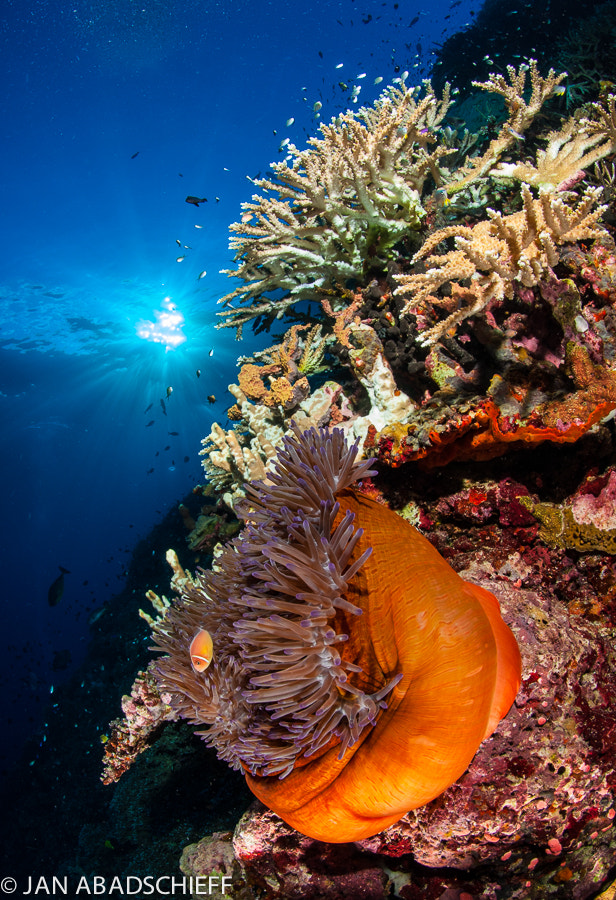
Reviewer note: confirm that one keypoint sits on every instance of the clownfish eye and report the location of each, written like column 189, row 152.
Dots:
column 201, row 650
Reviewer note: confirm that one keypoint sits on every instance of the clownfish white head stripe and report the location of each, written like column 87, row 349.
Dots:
column 201, row 650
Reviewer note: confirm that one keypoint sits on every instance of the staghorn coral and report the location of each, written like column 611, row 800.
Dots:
column 521, row 112
column 340, row 206
column 578, row 144
column 348, row 198
column 495, row 255
column 569, row 151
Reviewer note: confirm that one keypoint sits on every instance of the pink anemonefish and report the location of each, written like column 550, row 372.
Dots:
column 201, row 650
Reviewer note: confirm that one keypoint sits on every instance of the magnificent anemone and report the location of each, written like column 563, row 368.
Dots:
column 274, row 605
column 353, row 673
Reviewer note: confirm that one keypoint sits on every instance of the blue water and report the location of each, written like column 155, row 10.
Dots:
column 113, row 111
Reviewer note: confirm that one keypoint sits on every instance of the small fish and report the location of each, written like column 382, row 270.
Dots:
column 180, row 258
column 135, row 155
column 195, row 200
column 56, row 588
column 163, row 407
column 289, row 122
column 317, row 106
column 198, row 226
column 340, row 65
column 149, row 472
column 560, row 90
column 178, row 242
column 168, row 447
column 201, row 275
column 201, row 650
column 378, row 79
column 173, row 433
column 211, row 398
column 169, row 391
column 440, row 195
column 148, row 408
column 186, row 458
column 150, row 423
column 414, row 21
column 96, row 614
column 211, row 353
column 198, row 373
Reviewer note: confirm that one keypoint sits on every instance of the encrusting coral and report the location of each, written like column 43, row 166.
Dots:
column 346, row 652
column 586, row 522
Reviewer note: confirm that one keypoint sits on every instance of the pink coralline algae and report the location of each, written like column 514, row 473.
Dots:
column 595, row 503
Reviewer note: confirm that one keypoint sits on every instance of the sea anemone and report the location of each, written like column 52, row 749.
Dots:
column 353, row 672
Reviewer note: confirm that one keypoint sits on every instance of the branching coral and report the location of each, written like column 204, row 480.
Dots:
column 348, row 198
column 521, row 114
column 495, row 255
column 339, row 206
column 576, row 146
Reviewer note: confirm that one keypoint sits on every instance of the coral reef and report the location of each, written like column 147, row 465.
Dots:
column 462, row 352
column 348, row 198
column 465, row 288
column 144, row 712
column 235, row 457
